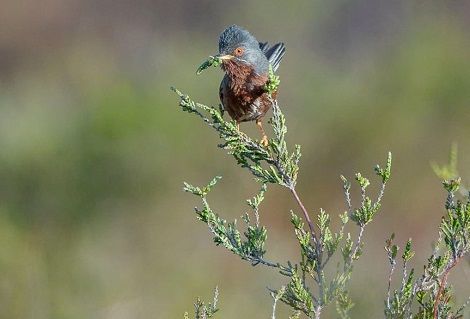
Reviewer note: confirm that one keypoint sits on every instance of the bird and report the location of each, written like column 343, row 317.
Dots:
column 246, row 63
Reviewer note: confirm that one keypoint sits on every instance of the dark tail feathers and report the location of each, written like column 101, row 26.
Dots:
column 274, row 53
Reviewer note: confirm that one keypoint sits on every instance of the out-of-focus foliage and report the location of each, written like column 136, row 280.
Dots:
column 203, row 311
column 93, row 149
column 431, row 296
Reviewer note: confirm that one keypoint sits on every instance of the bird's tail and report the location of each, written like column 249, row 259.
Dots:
column 273, row 53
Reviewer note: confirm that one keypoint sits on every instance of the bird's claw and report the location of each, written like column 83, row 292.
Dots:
column 264, row 141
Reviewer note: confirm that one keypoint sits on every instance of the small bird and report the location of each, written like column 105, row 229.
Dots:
column 246, row 64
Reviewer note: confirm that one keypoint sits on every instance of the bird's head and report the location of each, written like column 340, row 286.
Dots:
column 237, row 45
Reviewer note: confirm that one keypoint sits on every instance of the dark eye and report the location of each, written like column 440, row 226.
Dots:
column 239, row 51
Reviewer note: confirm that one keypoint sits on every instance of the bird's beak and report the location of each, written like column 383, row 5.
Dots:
column 224, row 57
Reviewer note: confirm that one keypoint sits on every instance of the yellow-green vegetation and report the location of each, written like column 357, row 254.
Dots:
column 211, row 61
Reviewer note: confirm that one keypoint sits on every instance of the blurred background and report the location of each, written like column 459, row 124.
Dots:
column 94, row 149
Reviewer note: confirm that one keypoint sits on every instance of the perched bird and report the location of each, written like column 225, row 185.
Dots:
column 246, row 64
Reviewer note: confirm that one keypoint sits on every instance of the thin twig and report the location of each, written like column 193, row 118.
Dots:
column 358, row 242
column 258, row 260
column 347, row 194
column 318, row 312
column 363, row 196
column 442, row 285
column 328, row 257
column 381, row 193
column 276, row 298
column 405, row 271
column 390, row 274
column 319, row 251
column 465, row 304
column 305, row 212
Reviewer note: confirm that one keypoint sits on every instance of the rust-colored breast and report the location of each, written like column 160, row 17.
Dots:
column 242, row 93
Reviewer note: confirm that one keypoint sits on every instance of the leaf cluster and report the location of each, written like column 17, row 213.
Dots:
column 203, row 310
column 214, row 61
column 431, row 293
column 316, row 252
column 273, row 164
column 273, row 81
column 250, row 246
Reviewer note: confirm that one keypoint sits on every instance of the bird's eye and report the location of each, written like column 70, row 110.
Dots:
column 239, row 51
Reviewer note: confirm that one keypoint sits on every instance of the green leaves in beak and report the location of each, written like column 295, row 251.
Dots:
column 211, row 61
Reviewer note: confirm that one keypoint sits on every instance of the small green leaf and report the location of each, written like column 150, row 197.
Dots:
column 386, row 172
column 363, row 182
column 211, row 61
column 394, row 250
column 452, row 185
column 344, row 217
column 408, row 253
column 273, row 82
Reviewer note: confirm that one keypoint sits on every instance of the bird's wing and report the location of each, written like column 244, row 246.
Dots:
column 221, row 89
column 263, row 46
column 274, row 53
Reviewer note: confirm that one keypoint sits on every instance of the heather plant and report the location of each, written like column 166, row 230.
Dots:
column 203, row 310
column 314, row 282
column 430, row 295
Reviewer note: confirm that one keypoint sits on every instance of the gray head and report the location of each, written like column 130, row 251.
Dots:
column 237, row 43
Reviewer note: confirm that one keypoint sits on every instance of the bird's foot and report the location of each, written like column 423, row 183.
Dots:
column 264, row 141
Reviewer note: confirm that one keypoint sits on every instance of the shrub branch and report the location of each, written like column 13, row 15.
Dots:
column 309, row 289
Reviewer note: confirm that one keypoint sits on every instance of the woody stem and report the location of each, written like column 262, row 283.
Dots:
column 305, row 212
column 442, row 286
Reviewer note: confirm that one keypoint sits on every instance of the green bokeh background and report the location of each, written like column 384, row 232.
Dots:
column 94, row 149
